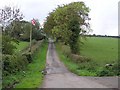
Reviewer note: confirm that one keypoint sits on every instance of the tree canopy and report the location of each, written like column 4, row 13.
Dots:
column 68, row 22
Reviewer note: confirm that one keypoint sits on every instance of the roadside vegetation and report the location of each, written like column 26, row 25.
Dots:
column 67, row 25
column 32, row 76
column 21, row 46
column 18, row 60
column 99, row 57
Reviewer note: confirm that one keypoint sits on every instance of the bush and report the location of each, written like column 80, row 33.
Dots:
column 109, row 70
column 13, row 63
column 28, row 56
column 116, row 68
column 79, row 59
column 105, row 72
column 7, row 46
column 18, row 61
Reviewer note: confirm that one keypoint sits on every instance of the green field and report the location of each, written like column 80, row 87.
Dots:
column 99, row 50
column 21, row 46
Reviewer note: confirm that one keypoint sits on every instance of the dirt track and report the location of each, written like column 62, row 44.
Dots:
column 59, row 77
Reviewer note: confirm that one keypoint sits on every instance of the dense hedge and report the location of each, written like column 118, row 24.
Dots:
column 16, row 62
column 113, row 70
column 13, row 63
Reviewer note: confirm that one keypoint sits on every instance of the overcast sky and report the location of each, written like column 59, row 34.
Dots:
column 103, row 14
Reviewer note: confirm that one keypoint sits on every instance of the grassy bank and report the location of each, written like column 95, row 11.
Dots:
column 100, row 51
column 21, row 46
column 31, row 77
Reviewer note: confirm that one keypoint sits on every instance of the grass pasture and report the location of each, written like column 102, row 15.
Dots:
column 100, row 50
column 21, row 46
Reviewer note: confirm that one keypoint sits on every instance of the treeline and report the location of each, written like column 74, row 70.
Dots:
column 102, row 36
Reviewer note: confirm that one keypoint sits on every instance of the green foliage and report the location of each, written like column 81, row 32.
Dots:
column 49, row 24
column 79, row 65
column 28, row 56
column 31, row 77
column 7, row 46
column 36, row 31
column 13, row 63
column 26, row 27
column 110, row 70
column 18, row 60
column 15, row 29
column 73, row 42
column 37, row 35
column 95, row 62
column 66, row 23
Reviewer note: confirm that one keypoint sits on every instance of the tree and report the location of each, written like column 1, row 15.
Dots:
column 68, row 23
column 49, row 24
column 8, row 17
column 7, row 45
column 36, row 31
column 25, row 32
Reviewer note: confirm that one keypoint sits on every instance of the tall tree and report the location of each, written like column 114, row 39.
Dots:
column 68, row 23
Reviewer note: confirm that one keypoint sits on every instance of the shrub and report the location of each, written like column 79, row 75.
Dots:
column 79, row 59
column 105, row 72
column 28, row 56
column 109, row 70
column 7, row 46
column 88, row 66
column 116, row 68
column 13, row 63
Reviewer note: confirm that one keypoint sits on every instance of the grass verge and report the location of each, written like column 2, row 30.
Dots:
column 93, row 67
column 31, row 77
column 70, row 64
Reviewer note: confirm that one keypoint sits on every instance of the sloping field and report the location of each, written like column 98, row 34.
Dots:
column 101, row 49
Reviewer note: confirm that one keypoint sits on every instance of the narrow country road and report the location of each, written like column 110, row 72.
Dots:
column 59, row 77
